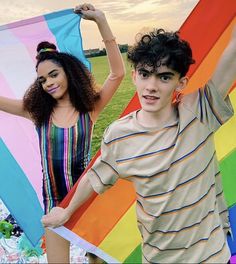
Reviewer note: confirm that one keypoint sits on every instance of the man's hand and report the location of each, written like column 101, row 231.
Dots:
column 57, row 217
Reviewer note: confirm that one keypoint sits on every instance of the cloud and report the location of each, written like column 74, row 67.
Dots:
column 139, row 10
column 12, row 10
column 126, row 17
column 15, row 10
column 123, row 10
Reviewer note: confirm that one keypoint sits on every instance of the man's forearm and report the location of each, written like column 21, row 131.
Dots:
column 83, row 192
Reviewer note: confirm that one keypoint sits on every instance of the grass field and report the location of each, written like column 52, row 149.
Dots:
column 119, row 101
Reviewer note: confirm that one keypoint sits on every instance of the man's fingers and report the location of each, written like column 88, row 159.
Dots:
column 46, row 221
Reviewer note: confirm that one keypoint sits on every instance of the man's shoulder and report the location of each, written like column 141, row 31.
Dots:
column 119, row 127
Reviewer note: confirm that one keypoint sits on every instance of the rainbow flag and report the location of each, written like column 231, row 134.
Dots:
column 20, row 164
column 106, row 224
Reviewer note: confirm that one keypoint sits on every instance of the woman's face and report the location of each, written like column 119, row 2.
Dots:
column 53, row 79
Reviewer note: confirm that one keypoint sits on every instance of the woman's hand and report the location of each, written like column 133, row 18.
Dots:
column 89, row 12
column 57, row 217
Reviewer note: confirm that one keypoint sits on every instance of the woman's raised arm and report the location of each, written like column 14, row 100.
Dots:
column 116, row 64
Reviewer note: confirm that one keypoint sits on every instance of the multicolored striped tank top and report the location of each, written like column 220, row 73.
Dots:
column 65, row 153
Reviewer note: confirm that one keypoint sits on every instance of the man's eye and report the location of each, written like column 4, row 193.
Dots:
column 144, row 74
column 165, row 78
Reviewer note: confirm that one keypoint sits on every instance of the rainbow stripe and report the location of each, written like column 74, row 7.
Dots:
column 18, row 137
column 110, row 233
column 106, row 224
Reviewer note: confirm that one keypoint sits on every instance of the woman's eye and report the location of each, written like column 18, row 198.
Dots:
column 42, row 81
column 54, row 75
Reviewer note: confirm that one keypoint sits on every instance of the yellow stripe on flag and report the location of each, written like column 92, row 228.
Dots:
column 225, row 138
column 124, row 233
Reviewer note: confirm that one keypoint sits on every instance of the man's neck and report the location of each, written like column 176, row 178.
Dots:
column 157, row 119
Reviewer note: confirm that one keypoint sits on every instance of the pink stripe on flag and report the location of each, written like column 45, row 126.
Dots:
column 31, row 34
column 26, row 150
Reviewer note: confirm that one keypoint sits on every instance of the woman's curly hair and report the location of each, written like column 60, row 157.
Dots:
column 81, row 86
column 158, row 46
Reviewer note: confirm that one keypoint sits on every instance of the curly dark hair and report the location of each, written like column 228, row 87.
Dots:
column 81, row 85
column 158, row 45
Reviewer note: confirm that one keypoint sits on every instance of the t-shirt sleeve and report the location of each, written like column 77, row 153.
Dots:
column 209, row 106
column 103, row 174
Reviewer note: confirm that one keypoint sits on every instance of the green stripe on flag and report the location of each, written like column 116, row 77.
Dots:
column 135, row 256
column 228, row 170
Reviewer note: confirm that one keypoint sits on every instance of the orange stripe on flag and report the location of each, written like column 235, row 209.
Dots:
column 206, row 68
column 105, row 212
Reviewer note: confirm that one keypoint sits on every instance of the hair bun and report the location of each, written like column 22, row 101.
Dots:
column 46, row 45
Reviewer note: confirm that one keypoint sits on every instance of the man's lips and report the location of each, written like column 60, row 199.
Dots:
column 151, row 97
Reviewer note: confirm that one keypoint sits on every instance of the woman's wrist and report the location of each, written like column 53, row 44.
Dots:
column 105, row 31
column 101, row 19
column 109, row 40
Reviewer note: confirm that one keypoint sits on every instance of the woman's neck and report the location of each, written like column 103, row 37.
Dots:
column 65, row 102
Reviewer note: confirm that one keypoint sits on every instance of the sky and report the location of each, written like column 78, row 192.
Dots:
column 126, row 17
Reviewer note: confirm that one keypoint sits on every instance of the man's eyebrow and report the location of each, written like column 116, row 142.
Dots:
column 156, row 73
column 144, row 70
column 165, row 73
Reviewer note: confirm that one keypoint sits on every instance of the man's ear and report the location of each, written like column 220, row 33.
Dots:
column 133, row 75
column 183, row 81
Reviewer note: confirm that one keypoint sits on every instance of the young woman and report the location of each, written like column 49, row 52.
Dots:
column 64, row 105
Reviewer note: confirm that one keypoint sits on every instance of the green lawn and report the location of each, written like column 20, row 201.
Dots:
column 119, row 101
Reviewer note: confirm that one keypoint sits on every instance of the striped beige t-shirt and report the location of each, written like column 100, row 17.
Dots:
column 181, row 211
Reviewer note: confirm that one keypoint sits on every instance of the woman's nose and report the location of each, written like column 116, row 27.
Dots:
column 49, row 82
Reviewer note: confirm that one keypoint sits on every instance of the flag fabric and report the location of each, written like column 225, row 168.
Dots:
column 20, row 164
column 106, row 224
column 14, row 185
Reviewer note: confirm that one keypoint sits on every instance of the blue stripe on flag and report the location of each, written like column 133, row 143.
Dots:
column 232, row 239
column 65, row 26
column 19, row 196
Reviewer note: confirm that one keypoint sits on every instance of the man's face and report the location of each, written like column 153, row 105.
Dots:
column 155, row 88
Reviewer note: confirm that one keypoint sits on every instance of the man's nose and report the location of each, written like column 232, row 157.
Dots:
column 152, row 84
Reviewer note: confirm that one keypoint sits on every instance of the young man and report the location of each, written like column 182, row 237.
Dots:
column 167, row 150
